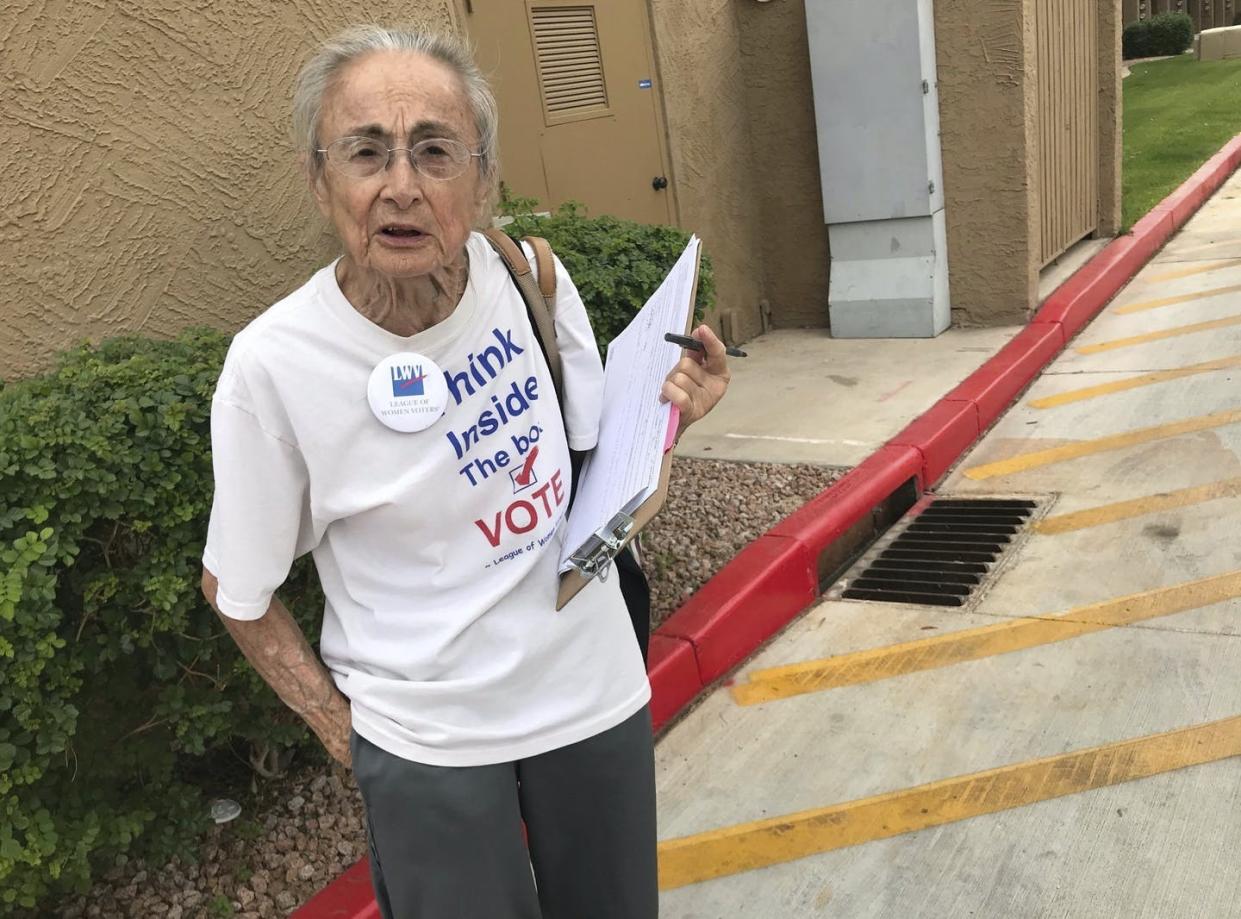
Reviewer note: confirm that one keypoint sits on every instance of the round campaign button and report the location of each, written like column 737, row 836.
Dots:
column 407, row 392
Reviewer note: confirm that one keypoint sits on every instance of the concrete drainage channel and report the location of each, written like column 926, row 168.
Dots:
column 945, row 552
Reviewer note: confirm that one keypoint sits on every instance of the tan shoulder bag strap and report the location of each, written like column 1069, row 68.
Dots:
column 540, row 298
column 546, row 270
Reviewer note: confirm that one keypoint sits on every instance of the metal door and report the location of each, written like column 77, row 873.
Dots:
column 579, row 111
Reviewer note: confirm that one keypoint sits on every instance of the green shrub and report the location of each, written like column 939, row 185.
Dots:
column 616, row 264
column 123, row 702
column 1135, row 40
column 1162, row 34
column 117, row 683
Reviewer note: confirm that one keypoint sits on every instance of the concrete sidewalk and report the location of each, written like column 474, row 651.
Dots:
column 804, row 397
column 1068, row 742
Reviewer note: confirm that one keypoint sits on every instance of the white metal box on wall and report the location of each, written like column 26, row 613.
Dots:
column 877, row 120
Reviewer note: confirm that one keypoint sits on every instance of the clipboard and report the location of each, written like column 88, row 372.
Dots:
column 593, row 559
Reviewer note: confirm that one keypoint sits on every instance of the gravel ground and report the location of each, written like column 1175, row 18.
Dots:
column 714, row 509
column 300, row 832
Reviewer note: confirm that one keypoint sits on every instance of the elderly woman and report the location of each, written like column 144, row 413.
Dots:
column 347, row 423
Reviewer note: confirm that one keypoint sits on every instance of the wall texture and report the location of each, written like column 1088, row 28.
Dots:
column 736, row 78
column 1111, row 119
column 698, row 50
column 776, row 64
column 149, row 183
column 984, row 53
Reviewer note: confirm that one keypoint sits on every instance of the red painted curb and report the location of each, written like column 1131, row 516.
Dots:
column 828, row 515
column 350, row 896
column 772, row 580
column 996, row 383
column 775, row 578
column 1077, row 300
column 1213, row 173
column 673, row 670
column 1073, row 303
column 941, row 434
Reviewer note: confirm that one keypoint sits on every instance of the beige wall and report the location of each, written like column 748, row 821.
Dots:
column 698, row 52
column 984, row 51
column 149, row 183
column 736, row 78
column 148, row 179
column 988, row 100
column 776, row 61
column 1111, row 119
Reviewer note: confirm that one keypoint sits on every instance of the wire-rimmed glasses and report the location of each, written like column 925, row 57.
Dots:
column 361, row 157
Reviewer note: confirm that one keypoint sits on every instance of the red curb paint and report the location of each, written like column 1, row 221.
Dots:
column 827, row 516
column 775, row 577
column 943, row 433
column 1194, row 192
column 1073, row 302
column 772, row 580
column 673, row 670
column 350, row 896
column 998, row 382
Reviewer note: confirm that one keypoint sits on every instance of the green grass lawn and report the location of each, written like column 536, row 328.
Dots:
column 1178, row 113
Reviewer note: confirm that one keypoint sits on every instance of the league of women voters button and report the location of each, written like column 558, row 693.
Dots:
column 407, row 392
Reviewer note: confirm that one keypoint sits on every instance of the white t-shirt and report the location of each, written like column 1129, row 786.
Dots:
column 438, row 562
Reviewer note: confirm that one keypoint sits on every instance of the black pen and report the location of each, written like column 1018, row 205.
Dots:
column 693, row 344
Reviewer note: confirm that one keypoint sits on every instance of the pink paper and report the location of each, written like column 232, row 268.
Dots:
column 674, row 419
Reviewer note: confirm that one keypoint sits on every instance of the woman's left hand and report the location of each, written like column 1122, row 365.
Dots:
column 699, row 380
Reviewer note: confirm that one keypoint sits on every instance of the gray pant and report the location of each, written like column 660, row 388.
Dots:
column 446, row 842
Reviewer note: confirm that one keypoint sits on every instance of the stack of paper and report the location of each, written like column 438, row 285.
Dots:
column 623, row 469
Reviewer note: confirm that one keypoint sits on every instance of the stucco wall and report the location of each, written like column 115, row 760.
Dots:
column 984, row 52
column 776, row 60
column 698, row 50
column 148, row 178
column 1111, row 120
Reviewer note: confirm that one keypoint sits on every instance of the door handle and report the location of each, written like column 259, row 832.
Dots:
column 659, row 183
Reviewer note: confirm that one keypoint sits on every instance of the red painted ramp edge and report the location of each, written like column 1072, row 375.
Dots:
column 775, row 577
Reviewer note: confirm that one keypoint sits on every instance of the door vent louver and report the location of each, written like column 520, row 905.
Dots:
column 566, row 45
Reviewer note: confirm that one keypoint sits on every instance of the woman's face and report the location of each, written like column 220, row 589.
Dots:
column 399, row 222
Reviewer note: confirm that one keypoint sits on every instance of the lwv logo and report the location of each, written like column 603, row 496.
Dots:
column 407, row 380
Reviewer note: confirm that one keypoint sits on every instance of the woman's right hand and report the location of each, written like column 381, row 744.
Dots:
column 333, row 730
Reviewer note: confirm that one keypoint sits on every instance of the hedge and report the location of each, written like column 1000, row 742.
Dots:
column 615, row 263
column 124, row 704
column 1162, row 34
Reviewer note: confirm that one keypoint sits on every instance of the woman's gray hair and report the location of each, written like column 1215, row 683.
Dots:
column 337, row 52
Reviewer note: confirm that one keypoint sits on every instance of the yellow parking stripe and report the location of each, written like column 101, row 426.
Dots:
column 1146, row 379
column 748, row 846
column 775, row 683
column 1172, row 301
column 1026, row 461
column 1138, row 507
column 1158, row 336
column 1189, row 272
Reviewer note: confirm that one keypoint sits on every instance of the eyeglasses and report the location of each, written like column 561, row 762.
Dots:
column 362, row 157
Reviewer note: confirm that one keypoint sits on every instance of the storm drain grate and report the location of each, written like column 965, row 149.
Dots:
column 944, row 552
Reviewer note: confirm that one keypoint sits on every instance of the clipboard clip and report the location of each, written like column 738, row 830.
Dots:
column 594, row 558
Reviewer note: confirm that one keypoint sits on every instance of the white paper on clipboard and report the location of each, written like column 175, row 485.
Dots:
column 623, row 469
